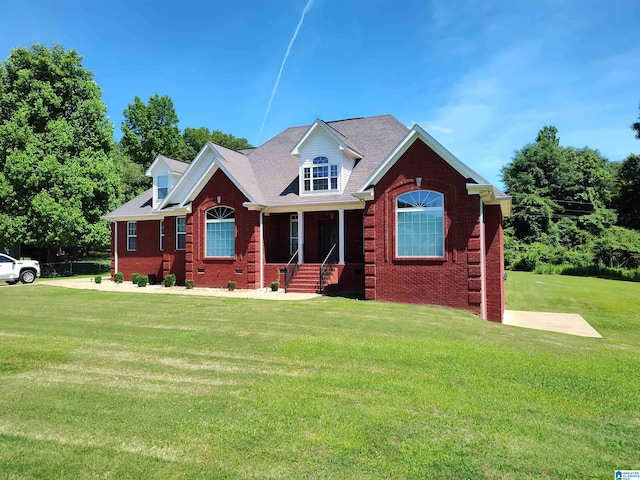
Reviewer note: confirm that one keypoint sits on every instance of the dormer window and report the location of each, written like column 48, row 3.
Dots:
column 321, row 177
column 163, row 186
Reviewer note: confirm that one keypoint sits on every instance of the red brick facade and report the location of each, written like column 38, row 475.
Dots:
column 372, row 266
column 147, row 258
column 454, row 280
column 244, row 269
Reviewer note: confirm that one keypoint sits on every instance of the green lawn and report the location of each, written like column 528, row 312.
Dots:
column 114, row 385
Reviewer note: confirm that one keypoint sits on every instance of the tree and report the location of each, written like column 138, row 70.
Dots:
column 133, row 180
column 628, row 195
column 636, row 126
column 195, row 138
column 150, row 130
column 550, row 182
column 56, row 176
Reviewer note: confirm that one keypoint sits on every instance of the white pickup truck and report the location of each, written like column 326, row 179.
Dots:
column 12, row 270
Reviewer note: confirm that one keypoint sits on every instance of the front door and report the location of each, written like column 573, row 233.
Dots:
column 327, row 237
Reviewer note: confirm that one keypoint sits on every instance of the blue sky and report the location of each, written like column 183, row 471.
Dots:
column 481, row 77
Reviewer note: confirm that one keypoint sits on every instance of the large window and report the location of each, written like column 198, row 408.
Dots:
column 181, row 233
column 132, row 236
column 163, row 186
column 220, row 233
column 420, row 224
column 322, row 176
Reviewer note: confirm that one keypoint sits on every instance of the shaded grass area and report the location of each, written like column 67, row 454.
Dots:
column 112, row 385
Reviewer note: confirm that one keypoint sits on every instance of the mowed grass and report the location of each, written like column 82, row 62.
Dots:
column 107, row 385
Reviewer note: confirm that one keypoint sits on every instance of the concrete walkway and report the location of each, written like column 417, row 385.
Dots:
column 108, row 286
column 570, row 323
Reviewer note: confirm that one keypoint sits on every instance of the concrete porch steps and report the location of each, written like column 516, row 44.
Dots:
column 307, row 280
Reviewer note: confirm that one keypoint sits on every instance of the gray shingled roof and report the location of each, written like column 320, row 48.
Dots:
column 277, row 170
column 175, row 165
column 139, row 206
column 240, row 168
column 269, row 174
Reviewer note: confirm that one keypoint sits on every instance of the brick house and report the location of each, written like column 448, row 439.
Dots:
column 361, row 205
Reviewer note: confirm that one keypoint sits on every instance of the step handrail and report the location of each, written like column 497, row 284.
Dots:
column 327, row 266
column 290, row 271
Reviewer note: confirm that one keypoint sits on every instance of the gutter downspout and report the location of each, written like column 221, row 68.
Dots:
column 483, row 268
column 115, row 253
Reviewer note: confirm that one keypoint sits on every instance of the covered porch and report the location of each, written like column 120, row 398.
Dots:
column 309, row 244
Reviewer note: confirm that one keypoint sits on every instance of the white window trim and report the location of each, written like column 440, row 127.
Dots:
column 434, row 209
column 308, row 167
column 158, row 187
column 132, row 236
column 161, row 233
column 181, row 233
column 221, row 220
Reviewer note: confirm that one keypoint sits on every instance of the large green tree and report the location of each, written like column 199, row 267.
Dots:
column 628, row 199
column 195, row 138
column 550, row 182
column 151, row 129
column 56, row 175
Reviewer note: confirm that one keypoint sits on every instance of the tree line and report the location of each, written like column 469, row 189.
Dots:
column 573, row 209
column 60, row 168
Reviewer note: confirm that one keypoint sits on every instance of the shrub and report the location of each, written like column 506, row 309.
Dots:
column 153, row 278
column 98, row 279
column 189, row 284
column 231, row 285
column 118, row 277
column 275, row 286
column 170, row 280
column 135, row 277
column 142, row 280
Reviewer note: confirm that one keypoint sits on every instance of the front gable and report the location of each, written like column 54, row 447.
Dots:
column 325, row 160
column 475, row 183
column 165, row 173
column 208, row 161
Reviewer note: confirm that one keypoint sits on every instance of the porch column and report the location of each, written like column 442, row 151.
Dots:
column 341, row 236
column 262, row 250
column 300, row 237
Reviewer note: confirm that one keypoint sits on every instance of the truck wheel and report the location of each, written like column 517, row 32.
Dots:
column 27, row 276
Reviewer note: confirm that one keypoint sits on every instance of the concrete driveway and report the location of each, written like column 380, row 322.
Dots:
column 570, row 323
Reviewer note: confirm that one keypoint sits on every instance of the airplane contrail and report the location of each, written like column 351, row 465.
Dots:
column 284, row 61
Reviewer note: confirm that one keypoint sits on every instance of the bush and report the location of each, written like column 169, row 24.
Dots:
column 231, row 285
column 118, row 277
column 98, row 279
column 135, row 277
column 189, row 284
column 153, row 278
column 142, row 280
column 170, row 280
column 275, row 286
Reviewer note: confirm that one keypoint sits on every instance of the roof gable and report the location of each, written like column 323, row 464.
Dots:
column 175, row 167
column 212, row 157
column 476, row 184
column 344, row 144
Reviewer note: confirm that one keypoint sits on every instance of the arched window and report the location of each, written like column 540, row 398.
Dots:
column 420, row 224
column 220, row 232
